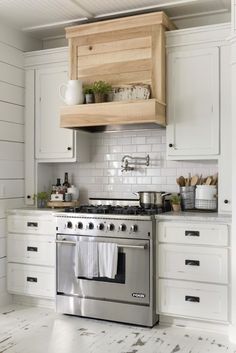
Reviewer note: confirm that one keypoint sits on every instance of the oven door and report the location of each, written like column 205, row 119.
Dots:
column 131, row 284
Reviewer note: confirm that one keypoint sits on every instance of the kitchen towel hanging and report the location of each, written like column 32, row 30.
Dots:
column 108, row 259
column 86, row 259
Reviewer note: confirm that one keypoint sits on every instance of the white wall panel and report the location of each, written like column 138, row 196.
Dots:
column 11, row 170
column 11, row 94
column 12, row 113
column 2, row 247
column 3, row 228
column 2, row 267
column 11, row 132
column 12, row 45
column 11, row 188
column 10, row 151
column 11, row 56
column 11, row 74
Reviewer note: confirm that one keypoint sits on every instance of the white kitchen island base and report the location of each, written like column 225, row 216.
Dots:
column 36, row 330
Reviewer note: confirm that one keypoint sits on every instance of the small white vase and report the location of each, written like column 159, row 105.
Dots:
column 73, row 92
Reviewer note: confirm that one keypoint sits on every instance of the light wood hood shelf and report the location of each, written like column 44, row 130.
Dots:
column 113, row 113
column 128, row 50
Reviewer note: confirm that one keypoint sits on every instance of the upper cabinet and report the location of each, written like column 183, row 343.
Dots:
column 52, row 142
column 121, row 51
column 193, row 102
column 46, row 71
column 194, row 92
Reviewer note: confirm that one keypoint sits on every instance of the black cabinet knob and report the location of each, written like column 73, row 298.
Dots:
column 28, row 197
column 170, row 144
column 226, row 201
column 68, row 148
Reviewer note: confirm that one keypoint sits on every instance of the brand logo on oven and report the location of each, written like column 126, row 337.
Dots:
column 138, row 295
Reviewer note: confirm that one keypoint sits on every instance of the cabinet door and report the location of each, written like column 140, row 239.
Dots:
column 193, row 103
column 52, row 142
column 225, row 164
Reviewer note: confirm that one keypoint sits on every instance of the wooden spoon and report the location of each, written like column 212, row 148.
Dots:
column 214, row 179
column 194, row 180
column 181, row 181
column 209, row 181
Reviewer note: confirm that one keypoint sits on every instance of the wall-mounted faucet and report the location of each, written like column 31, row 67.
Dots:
column 127, row 163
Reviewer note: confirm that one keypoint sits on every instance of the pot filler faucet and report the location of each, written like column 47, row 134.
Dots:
column 128, row 163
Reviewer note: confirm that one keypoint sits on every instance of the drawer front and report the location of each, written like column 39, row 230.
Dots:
column 31, row 280
column 195, row 300
column 192, row 233
column 193, row 263
column 31, row 249
column 31, row 225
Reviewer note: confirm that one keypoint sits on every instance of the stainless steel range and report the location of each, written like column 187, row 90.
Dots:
column 130, row 295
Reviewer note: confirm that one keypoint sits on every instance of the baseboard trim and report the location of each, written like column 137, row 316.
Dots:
column 194, row 324
column 31, row 301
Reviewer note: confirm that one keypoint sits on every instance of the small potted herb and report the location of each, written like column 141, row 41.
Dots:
column 176, row 202
column 88, row 92
column 42, row 198
column 101, row 90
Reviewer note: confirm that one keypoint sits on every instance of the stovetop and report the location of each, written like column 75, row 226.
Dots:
column 115, row 210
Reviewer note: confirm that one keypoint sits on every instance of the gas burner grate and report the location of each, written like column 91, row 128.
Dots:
column 116, row 210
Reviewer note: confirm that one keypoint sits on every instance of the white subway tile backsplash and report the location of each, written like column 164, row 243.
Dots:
column 102, row 177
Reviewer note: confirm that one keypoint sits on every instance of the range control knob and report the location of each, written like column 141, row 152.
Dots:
column 80, row 225
column 69, row 225
column 110, row 227
column 122, row 227
column 134, row 228
column 90, row 225
column 100, row 226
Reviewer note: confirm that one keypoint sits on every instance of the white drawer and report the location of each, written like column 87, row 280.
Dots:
column 31, row 280
column 31, row 249
column 193, row 263
column 44, row 224
column 195, row 300
column 192, row 233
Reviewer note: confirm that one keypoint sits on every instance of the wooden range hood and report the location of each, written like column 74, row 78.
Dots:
column 122, row 51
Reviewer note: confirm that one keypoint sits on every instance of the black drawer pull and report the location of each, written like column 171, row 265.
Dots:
column 192, row 262
column 189, row 298
column 192, row 233
column 32, row 279
column 32, row 224
column 32, row 248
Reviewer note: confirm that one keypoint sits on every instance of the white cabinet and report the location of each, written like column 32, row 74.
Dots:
column 193, row 102
column 31, row 254
column 52, row 142
column 45, row 141
column 192, row 269
column 197, row 102
column 225, row 158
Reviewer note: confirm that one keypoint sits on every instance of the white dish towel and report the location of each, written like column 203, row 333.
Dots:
column 86, row 259
column 108, row 259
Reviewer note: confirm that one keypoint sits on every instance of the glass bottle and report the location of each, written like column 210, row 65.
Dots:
column 66, row 183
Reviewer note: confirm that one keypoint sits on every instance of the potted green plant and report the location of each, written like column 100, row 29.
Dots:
column 101, row 90
column 176, row 202
column 42, row 198
column 88, row 92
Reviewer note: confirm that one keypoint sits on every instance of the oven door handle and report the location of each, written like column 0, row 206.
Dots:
column 67, row 242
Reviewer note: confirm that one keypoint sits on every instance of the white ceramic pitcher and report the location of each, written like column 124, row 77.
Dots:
column 73, row 92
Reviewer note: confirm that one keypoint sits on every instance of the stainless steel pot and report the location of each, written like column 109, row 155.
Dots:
column 149, row 199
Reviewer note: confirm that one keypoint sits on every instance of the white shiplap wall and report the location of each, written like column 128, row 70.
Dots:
column 102, row 177
column 12, row 45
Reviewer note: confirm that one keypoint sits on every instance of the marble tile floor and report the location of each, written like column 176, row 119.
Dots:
column 35, row 330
